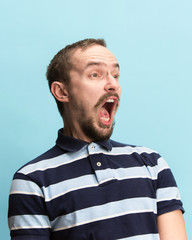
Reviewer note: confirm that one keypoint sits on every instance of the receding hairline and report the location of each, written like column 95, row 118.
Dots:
column 92, row 62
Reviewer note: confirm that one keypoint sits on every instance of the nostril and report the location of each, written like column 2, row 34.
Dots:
column 111, row 89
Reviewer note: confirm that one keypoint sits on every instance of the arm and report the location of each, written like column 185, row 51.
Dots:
column 27, row 214
column 171, row 226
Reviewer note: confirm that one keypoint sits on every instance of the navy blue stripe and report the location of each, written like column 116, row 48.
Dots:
column 26, row 204
column 31, row 234
column 166, row 179
column 115, row 228
column 150, row 159
column 168, row 206
column 21, row 176
column 94, row 196
column 123, row 161
column 62, row 173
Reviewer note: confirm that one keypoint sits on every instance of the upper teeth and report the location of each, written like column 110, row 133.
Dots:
column 105, row 119
column 110, row 100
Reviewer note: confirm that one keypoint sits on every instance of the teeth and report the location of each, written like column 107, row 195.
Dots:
column 105, row 119
column 110, row 100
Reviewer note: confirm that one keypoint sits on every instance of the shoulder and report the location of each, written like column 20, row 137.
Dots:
column 41, row 161
column 147, row 155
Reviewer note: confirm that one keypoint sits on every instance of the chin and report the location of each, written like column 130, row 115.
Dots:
column 98, row 133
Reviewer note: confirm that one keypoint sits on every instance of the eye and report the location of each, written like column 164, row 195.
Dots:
column 116, row 76
column 94, row 75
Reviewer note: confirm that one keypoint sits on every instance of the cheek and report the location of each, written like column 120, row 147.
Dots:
column 89, row 100
column 119, row 90
column 93, row 92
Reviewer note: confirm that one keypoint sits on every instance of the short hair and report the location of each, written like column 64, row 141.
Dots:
column 61, row 64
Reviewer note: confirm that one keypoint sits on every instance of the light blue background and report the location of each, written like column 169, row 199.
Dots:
column 152, row 41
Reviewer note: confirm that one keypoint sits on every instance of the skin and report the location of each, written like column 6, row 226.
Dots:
column 171, row 226
column 93, row 78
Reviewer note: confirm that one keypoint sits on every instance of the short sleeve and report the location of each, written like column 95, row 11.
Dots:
column 168, row 196
column 27, row 217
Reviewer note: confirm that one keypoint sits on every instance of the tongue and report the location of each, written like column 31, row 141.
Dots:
column 104, row 113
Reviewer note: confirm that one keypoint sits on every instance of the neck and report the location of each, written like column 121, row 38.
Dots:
column 72, row 132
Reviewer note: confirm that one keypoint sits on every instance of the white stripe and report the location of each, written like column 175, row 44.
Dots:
column 58, row 161
column 128, row 150
column 105, row 211
column 105, row 175
column 56, row 190
column 168, row 193
column 136, row 172
column 28, row 222
column 20, row 186
column 143, row 237
column 162, row 165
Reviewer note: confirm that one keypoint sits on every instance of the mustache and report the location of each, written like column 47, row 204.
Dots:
column 102, row 98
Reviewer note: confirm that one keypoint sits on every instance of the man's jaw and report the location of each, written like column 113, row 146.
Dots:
column 90, row 128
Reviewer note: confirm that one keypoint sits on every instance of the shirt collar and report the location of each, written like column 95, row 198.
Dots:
column 71, row 144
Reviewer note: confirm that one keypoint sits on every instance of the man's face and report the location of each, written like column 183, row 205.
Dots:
column 94, row 93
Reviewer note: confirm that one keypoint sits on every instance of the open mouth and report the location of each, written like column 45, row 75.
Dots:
column 107, row 110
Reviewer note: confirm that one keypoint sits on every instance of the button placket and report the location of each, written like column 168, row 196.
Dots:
column 98, row 161
column 93, row 156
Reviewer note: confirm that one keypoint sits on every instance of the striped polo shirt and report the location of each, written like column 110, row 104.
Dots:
column 99, row 191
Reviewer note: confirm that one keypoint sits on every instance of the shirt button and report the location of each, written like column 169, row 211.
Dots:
column 92, row 147
column 99, row 164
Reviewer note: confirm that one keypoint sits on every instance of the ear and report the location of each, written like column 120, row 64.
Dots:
column 59, row 91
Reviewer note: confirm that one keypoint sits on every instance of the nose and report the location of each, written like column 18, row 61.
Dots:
column 112, row 84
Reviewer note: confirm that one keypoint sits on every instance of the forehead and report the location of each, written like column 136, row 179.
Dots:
column 95, row 53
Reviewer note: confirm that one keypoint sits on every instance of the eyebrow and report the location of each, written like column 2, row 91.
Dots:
column 116, row 65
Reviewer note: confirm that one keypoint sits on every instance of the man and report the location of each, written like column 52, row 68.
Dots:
column 88, row 186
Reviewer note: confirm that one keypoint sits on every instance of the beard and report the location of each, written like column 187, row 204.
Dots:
column 91, row 126
column 96, row 134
